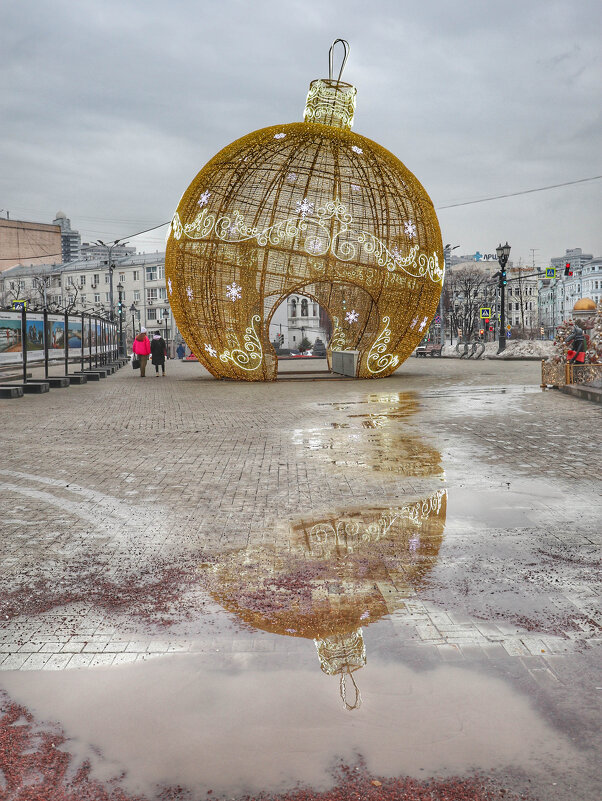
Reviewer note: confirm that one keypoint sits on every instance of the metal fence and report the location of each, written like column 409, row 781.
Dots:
column 557, row 375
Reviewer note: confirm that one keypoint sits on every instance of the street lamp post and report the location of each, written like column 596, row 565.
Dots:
column 502, row 251
column 166, row 315
column 120, row 310
column 446, row 254
column 111, row 268
column 133, row 311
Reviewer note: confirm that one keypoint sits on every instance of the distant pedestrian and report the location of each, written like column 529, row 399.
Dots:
column 158, row 350
column 142, row 349
column 181, row 350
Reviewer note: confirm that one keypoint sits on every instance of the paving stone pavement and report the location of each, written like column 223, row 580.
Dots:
column 455, row 505
column 113, row 494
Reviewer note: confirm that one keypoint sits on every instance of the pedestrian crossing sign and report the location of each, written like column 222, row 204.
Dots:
column 550, row 272
column 485, row 313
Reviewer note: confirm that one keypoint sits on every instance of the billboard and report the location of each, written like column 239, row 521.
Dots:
column 95, row 335
column 10, row 337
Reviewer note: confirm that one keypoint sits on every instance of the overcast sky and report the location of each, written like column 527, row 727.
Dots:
column 110, row 108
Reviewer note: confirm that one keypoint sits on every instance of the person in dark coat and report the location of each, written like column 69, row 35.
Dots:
column 158, row 353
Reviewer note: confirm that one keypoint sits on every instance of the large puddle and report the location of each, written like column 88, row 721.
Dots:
column 326, row 684
column 242, row 727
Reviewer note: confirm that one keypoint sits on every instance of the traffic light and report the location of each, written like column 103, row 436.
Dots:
column 503, row 279
column 567, row 269
column 481, row 331
column 119, row 307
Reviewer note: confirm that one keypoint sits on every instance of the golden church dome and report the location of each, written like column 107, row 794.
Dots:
column 585, row 304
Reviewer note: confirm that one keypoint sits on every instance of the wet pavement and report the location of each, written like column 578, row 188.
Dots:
column 382, row 589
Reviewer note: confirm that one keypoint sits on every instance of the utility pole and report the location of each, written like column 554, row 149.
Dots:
column 111, row 268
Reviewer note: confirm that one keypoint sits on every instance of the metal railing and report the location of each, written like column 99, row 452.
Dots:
column 561, row 373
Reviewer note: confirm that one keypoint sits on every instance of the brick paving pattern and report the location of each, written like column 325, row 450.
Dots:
column 116, row 496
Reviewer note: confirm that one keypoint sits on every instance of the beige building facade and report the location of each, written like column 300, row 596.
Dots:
column 28, row 243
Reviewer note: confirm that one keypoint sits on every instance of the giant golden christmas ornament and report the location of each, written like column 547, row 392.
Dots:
column 310, row 208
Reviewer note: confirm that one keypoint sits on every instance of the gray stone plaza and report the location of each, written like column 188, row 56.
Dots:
column 121, row 500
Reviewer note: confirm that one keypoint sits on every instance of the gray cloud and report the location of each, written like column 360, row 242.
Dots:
column 110, row 108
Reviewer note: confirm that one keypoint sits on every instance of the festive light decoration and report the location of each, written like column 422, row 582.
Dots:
column 311, row 208
column 321, row 581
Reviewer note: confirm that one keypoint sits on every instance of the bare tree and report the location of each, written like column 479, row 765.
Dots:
column 464, row 296
column 73, row 290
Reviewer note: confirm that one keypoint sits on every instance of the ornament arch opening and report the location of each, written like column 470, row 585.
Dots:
column 347, row 315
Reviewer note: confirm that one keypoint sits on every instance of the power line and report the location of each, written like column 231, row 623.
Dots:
column 523, row 192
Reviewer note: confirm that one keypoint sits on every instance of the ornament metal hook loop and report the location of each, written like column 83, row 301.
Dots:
column 346, row 48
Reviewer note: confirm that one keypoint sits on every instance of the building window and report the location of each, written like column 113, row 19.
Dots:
column 136, row 275
column 293, row 308
column 107, row 297
column 82, row 299
column 137, row 294
column 151, row 314
column 122, row 277
column 151, row 295
column 304, row 308
column 96, row 298
column 294, row 339
column 107, row 278
column 82, row 280
column 96, row 279
column 155, row 273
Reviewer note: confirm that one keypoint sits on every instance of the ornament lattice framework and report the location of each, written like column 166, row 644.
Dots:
column 311, row 208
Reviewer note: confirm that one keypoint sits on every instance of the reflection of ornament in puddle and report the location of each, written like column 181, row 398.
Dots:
column 383, row 449
column 342, row 654
column 325, row 579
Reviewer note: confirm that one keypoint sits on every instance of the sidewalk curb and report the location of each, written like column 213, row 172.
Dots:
column 582, row 391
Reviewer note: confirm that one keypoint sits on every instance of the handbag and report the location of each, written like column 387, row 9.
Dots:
column 135, row 362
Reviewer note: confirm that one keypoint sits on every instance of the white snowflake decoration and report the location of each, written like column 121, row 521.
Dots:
column 204, row 198
column 211, row 351
column 291, row 177
column 279, row 136
column 169, row 285
column 189, row 292
column 410, row 229
column 355, row 188
column 352, row 316
column 234, row 291
column 357, row 150
column 423, row 323
column 396, row 253
column 305, row 207
column 414, row 322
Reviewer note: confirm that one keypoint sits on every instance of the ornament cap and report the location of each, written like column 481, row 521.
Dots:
column 330, row 102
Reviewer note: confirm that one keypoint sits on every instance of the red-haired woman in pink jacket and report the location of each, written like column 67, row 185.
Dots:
column 142, row 349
